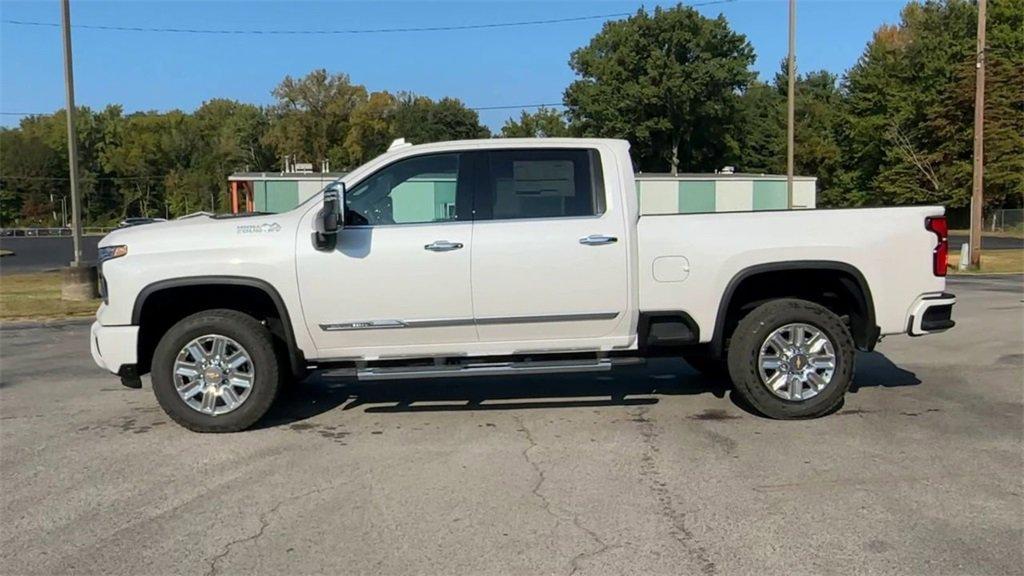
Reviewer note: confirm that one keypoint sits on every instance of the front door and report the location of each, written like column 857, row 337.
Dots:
column 549, row 252
column 398, row 282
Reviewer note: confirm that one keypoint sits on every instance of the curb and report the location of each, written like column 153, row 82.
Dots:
column 983, row 275
column 46, row 323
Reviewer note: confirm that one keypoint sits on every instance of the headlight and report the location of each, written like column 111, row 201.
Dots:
column 111, row 252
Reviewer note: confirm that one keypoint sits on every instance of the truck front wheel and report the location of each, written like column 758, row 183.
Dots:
column 791, row 359
column 216, row 371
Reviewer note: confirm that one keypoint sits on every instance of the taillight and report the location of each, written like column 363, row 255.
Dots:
column 940, row 256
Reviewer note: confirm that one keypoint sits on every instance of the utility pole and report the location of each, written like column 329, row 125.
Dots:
column 69, row 87
column 79, row 279
column 791, row 104
column 977, row 192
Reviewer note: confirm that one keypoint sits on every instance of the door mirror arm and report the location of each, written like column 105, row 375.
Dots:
column 331, row 217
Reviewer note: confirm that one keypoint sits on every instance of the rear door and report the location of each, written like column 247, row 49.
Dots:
column 549, row 260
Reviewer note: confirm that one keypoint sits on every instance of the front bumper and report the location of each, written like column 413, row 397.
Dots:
column 931, row 313
column 113, row 347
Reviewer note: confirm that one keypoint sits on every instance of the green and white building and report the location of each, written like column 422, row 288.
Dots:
column 701, row 193
column 658, row 193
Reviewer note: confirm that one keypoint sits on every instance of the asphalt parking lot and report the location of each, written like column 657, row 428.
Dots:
column 651, row 470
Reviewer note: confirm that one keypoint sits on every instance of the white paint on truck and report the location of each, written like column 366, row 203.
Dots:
column 570, row 274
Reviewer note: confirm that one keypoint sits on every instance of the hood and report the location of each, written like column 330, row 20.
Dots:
column 198, row 230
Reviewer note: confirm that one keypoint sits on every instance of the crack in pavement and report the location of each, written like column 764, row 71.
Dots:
column 264, row 523
column 548, row 507
column 650, row 473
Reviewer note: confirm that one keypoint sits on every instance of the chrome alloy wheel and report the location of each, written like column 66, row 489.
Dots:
column 796, row 361
column 213, row 374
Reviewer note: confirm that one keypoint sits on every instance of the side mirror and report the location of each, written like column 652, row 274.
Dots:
column 330, row 219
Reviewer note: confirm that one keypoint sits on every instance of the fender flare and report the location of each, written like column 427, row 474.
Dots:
column 865, row 341
column 295, row 356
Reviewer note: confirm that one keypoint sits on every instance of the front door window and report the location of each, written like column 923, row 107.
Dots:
column 416, row 190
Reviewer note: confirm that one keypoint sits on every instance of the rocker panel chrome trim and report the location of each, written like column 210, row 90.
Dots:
column 440, row 323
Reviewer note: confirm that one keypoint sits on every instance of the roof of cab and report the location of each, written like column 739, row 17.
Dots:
column 491, row 143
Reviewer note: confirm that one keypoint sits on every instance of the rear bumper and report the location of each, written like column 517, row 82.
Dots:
column 931, row 313
column 113, row 347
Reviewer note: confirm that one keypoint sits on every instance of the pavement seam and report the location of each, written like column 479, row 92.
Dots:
column 264, row 524
column 651, row 475
column 550, row 508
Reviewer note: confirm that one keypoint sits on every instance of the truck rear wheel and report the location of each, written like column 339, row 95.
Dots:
column 216, row 371
column 791, row 359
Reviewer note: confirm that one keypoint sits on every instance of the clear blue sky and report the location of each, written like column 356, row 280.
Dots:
column 491, row 67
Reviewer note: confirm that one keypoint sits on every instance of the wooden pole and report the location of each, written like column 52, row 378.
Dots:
column 234, row 197
column 977, row 191
column 791, row 105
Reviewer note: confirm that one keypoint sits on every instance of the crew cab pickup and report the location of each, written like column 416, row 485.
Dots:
column 509, row 256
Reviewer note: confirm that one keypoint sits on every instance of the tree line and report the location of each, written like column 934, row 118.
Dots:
column 896, row 128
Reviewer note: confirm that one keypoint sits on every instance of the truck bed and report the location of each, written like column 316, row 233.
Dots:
column 692, row 258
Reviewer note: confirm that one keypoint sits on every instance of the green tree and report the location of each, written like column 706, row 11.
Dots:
column 370, row 129
column 143, row 150
column 668, row 82
column 950, row 124
column 420, row 120
column 910, row 100
column 311, row 117
column 10, row 207
column 819, row 118
column 544, row 123
column 763, row 136
column 30, row 174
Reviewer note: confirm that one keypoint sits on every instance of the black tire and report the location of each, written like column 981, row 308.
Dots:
column 710, row 366
column 755, row 328
column 244, row 330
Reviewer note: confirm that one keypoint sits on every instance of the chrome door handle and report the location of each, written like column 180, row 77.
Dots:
column 598, row 239
column 443, row 246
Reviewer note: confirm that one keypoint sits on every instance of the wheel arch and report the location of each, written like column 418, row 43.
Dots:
column 863, row 328
column 154, row 294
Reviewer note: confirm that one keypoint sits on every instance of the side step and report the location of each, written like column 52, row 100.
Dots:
column 485, row 369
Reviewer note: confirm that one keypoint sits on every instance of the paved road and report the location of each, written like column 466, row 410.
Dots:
column 41, row 254
column 652, row 471
column 988, row 242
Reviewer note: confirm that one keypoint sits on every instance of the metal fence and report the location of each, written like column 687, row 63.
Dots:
column 1006, row 220
column 49, row 232
column 998, row 220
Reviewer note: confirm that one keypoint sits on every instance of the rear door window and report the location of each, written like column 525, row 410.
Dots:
column 548, row 183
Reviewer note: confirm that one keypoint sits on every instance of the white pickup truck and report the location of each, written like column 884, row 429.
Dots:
column 509, row 256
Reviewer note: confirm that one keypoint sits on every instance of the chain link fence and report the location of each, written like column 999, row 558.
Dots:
column 47, row 232
column 1006, row 220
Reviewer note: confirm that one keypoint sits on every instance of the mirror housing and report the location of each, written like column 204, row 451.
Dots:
column 331, row 217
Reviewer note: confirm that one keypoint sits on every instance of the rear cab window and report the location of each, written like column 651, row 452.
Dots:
column 540, row 183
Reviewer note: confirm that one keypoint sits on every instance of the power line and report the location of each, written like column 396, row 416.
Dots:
column 477, row 108
column 344, row 31
column 65, row 178
column 518, row 106
column 326, row 32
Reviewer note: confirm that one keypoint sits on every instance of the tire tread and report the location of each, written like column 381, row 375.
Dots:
column 746, row 343
column 249, row 332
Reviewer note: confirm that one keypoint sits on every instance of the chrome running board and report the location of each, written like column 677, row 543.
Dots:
column 484, row 369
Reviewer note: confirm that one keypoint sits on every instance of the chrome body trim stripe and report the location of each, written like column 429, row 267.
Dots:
column 440, row 323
